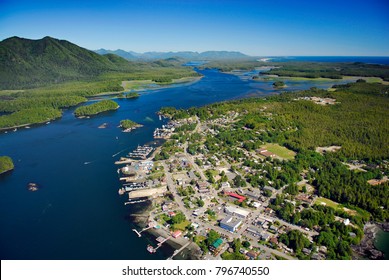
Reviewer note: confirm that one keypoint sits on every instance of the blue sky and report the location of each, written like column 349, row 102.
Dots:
column 271, row 27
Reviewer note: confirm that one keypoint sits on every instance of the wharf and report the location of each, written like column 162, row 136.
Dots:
column 147, row 192
column 176, row 252
column 124, row 161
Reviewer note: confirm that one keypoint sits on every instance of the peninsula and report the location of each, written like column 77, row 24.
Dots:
column 245, row 180
column 6, row 164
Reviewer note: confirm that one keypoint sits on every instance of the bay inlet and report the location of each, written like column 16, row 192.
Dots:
column 77, row 213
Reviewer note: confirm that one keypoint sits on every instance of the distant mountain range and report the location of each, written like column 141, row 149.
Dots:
column 31, row 63
column 26, row 63
column 187, row 55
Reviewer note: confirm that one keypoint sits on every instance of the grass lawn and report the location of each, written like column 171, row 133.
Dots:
column 328, row 202
column 137, row 84
column 182, row 226
column 280, row 151
column 335, row 205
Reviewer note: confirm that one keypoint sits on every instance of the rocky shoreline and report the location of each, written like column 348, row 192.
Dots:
column 366, row 249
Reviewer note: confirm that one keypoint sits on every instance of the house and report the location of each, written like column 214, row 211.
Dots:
column 230, row 223
column 304, row 198
column 274, row 240
column 273, row 228
column 171, row 214
column 266, row 153
column 252, row 255
column 265, row 236
column 323, row 249
column 177, row 233
column 195, row 225
column 267, row 188
column 306, row 251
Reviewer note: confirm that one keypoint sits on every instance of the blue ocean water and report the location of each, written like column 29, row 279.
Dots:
column 77, row 213
column 350, row 59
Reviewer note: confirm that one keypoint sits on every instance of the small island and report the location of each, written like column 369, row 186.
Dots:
column 130, row 95
column 129, row 125
column 279, row 84
column 96, row 108
column 6, row 164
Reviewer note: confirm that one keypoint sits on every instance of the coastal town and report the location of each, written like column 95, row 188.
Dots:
column 208, row 201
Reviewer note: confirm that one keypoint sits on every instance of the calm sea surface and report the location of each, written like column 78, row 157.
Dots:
column 77, row 213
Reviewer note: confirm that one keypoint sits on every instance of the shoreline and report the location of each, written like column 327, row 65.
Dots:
column 140, row 219
column 144, row 85
column 367, row 249
column 28, row 124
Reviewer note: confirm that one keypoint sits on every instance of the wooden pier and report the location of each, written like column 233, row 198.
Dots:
column 151, row 224
column 176, row 252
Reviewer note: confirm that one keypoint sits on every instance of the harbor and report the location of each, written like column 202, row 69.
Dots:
column 141, row 152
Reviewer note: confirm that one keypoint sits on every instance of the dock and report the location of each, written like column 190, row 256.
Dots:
column 176, row 252
column 161, row 240
column 135, row 201
column 124, row 161
column 139, row 233
column 147, row 192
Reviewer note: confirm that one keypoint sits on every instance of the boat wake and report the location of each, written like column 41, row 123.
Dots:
column 88, row 162
column 114, row 155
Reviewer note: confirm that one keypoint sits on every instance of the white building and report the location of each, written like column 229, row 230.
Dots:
column 235, row 211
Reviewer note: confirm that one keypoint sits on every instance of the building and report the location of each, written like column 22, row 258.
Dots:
column 253, row 195
column 268, row 188
column 225, row 185
column 230, row 223
column 252, row 255
column 266, row 153
column 177, row 233
column 234, row 195
column 256, row 204
column 235, row 211
column 216, row 245
column 171, row 214
column 265, row 236
column 253, row 230
column 191, row 175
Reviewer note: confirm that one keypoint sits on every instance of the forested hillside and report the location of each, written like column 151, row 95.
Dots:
column 30, row 63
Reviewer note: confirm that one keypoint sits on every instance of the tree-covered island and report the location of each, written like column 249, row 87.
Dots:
column 130, row 95
column 96, row 108
column 279, row 84
column 128, row 125
column 6, row 164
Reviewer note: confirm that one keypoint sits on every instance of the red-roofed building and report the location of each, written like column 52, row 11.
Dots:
column 239, row 197
column 266, row 153
column 171, row 214
column 177, row 233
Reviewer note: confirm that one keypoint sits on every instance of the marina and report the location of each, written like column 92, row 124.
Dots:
column 165, row 132
column 141, row 152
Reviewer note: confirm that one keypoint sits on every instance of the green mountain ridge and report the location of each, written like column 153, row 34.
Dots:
column 31, row 63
